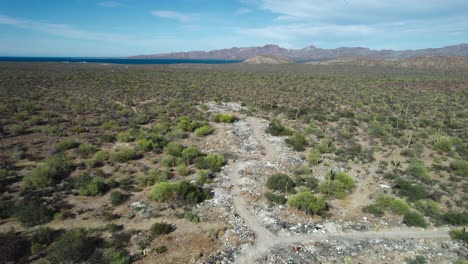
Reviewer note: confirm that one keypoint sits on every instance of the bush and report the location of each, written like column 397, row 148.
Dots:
column 86, row 149
column 73, row 246
column 153, row 177
column 118, row 198
column 314, row 157
column 185, row 124
column 224, row 118
column 307, row 181
column 203, row 131
column 192, row 217
column 399, row 206
column 158, row 229
column 275, row 128
column 33, row 211
column 123, row 155
column 307, row 202
column 182, row 170
column 188, row 193
column 459, row 234
column 214, row 162
column 412, row 191
column 168, row 161
column 414, row 219
column 280, row 182
column 373, row 209
column 337, row 184
column 417, row 169
column 144, row 144
column 326, row 146
column 174, row 149
column 460, row 167
column 456, row 218
column 203, row 177
column 93, row 186
column 116, row 256
column 49, row 173
column 428, row 207
column 275, row 198
column 297, row 141
column 164, row 191
column 190, row 154
column 416, row 260
column 66, row 144
column 443, row 144
column 6, row 208
column 376, row 129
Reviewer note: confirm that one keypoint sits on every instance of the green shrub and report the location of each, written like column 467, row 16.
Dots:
column 224, row 118
column 326, row 146
column 123, row 155
column 443, row 144
column 6, row 208
column 190, row 154
column 297, row 141
column 158, row 229
column 414, row 219
column 160, row 249
column 159, row 128
column 203, row 177
column 459, row 234
column 86, row 149
column 188, row 193
column 185, row 124
column 307, row 202
column 306, row 181
column 214, row 162
column 164, row 191
column 373, row 209
column 203, row 131
column 33, row 211
column 66, row 144
column 399, row 206
column 460, row 167
column 428, row 207
column 408, row 152
column 456, row 218
column 280, row 182
column 417, row 169
column 110, row 125
column 412, row 191
column 314, row 157
column 182, row 170
column 73, row 246
column 275, row 128
column 43, row 236
column 93, row 186
column 53, row 169
column 337, row 184
column 174, row 149
column 168, row 161
column 274, row 198
column 416, row 260
column 124, row 137
column 144, row 144
column 118, row 198
column 153, row 177
column 376, row 129
column 192, row 217
column 116, row 256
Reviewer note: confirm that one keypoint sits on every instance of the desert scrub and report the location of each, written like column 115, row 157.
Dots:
column 86, row 149
column 153, row 177
column 337, row 184
column 97, row 160
column 417, row 169
column 189, row 154
column 92, row 186
column 307, row 202
column 174, row 149
column 280, row 182
column 224, row 118
column 123, row 155
column 274, row 198
column 314, row 157
column 460, row 167
column 373, row 209
column 49, row 173
column 144, row 145
column 326, row 146
column 275, row 128
column 66, row 144
column 203, row 131
column 414, row 219
column 180, row 192
column 428, row 207
column 158, row 229
column 33, row 211
column 203, row 177
column 118, row 198
column 124, row 137
column 456, row 218
column 459, row 234
column 73, row 246
column 182, row 170
column 443, row 144
column 297, row 141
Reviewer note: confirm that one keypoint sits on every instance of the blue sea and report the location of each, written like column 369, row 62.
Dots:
column 113, row 60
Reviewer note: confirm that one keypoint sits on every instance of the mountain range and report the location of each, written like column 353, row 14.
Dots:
column 310, row 53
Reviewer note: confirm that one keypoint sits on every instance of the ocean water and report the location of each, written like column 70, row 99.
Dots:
column 112, row 60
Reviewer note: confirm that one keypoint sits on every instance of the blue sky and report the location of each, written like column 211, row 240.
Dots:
column 132, row 27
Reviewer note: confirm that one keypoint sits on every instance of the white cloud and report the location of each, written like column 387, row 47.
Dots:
column 109, row 4
column 62, row 30
column 243, row 11
column 173, row 15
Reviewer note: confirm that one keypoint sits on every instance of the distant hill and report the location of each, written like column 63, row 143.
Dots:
column 427, row 62
column 310, row 53
column 268, row 59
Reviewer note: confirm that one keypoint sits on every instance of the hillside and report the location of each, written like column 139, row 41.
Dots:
column 428, row 62
column 310, row 53
column 267, row 59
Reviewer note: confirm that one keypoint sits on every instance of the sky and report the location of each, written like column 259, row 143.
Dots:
column 97, row 28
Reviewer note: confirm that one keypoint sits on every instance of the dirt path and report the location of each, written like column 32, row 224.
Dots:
column 266, row 240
